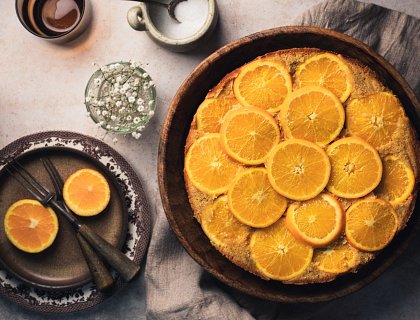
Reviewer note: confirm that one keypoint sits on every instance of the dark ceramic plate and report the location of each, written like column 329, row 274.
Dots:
column 171, row 159
column 62, row 265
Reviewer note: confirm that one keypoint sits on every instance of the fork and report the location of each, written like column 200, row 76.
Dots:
column 98, row 270
column 115, row 258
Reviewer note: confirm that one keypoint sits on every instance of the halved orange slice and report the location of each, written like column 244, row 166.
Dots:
column 326, row 70
column 312, row 113
column 356, row 168
column 248, row 134
column 277, row 254
column 220, row 226
column 338, row 258
column 317, row 222
column 211, row 111
column 263, row 84
column 371, row 224
column 208, row 167
column 298, row 169
column 30, row 226
column 374, row 118
column 397, row 180
column 86, row 192
column 253, row 201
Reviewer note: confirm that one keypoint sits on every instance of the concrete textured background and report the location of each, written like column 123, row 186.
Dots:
column 42, row 87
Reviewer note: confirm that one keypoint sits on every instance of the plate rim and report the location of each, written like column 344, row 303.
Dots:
column 171, row 115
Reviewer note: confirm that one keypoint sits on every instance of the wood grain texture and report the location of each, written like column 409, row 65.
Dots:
column 171, row 159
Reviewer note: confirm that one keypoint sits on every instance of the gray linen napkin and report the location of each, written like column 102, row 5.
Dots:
column 177, row 287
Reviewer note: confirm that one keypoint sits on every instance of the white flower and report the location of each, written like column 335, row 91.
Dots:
column 136, row 120
column 118, row 104
column 145, row 75
column 126, row 86
column 122, row 91
column 151, row 113
column 136, row 135
column 128, row 118
column 104, row 112
column 108, row 126
column 98, row 81
column 113, row 118
column 151, row 83
column 134, row 94
column 140, row 101
column 98, row 112
column 136, row 82
column 87, row 99
column 131, row 99
column 140, row 108
column 118, row 79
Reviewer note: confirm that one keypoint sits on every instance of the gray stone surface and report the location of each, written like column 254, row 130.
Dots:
column 42, row 87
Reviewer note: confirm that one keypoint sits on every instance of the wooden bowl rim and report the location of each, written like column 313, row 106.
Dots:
column 220, row 54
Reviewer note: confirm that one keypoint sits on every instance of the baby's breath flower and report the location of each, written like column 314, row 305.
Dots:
column 136, row 135
column 118, row 97
column 151, row 113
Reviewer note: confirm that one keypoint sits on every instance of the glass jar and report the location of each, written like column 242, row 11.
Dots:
column 121, row 97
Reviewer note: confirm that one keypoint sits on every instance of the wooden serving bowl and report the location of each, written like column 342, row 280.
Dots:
column 171, row 160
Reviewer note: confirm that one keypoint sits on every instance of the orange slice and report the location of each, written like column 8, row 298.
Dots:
column 253, row 201
column 312, row 113
column 371, row 224
column 220, row 226
column 208, row 167
column 374, row 118
column 356, row 168
column 263, row 84
column 298, row 169
column 30, row 226
column 211, row 112
column 338, row 258
column 86, row 192
column 248, row 135
column 317, row 222
column 277, row 254
column 397, row 182
column 327, row 70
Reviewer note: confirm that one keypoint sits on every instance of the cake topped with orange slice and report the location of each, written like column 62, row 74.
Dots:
column 301, row 166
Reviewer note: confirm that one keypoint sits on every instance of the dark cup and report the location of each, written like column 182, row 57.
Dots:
column 72, row 18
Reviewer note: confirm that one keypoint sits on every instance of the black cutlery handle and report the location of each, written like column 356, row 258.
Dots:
column 100, row 273
column 114, row 257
